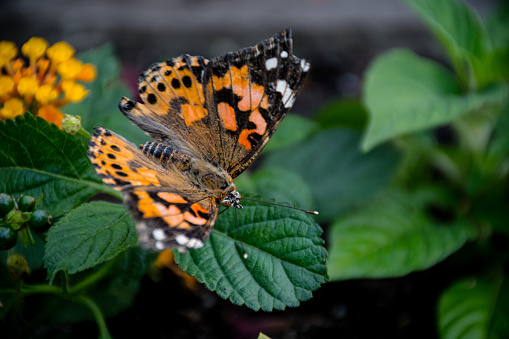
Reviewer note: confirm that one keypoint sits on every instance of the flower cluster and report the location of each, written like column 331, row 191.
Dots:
column 42, row 82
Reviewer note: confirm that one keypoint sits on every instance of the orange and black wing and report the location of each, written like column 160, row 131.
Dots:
column 169, row 211
column 249, row 92
column 224, row 110
column 166, row 220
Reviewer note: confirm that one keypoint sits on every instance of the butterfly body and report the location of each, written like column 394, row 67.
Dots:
column 210, row 119
column 204, row 176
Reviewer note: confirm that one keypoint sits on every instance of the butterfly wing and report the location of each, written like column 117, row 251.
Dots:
column 224, row 110
column 168, row 210
column 119, row 162
column 250, row 92
column 171, row 220
column 174, row 110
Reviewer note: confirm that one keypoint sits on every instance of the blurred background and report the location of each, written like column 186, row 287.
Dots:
column 340, row 38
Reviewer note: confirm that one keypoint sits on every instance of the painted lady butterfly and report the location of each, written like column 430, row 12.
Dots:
column 210, row 120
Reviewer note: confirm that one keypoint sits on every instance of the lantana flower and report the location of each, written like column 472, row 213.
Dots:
column 47, row 78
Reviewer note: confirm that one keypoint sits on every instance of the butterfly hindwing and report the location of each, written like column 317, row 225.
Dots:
column 165, row 219
column 119, row 162
column 169, row 211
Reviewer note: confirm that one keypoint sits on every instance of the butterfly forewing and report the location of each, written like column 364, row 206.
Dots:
column 252, row 90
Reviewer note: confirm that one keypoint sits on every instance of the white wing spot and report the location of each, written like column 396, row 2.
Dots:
column 304, row 65
column 195, row 243
column 271, row 63
column 181, row 239
column 158, row 234
column 284, row 54
column 159, row 245
column 290, row 101
column 283, row 88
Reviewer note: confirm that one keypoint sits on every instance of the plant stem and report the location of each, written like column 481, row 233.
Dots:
column 93, row 278
column 96, row 311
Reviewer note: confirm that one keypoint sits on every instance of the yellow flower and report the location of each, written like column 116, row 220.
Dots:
column 34, row 48
column 74, row 92
column 6, row 86
column 46, row 94
column 28, row 85
column 69, row 69
column 51, row 114
column 12, row 108
column 60, row 52
column 8, row 51
column 47, row 82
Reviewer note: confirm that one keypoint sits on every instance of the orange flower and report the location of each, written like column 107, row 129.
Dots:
column 166, row 259
column 51, row 114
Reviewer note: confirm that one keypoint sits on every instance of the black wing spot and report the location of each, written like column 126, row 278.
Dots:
column 175, row 83
column 187, row 81
column 151, row 98
column 111, row 156
column 121, row 174
column 161, row 87
column 115, row 148
column 116, row 166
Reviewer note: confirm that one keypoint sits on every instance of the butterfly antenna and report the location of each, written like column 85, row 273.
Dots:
column 293, row 208
column 224, row 210
column 238, row 235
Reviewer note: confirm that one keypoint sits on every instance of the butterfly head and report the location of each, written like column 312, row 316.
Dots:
column 232, row 198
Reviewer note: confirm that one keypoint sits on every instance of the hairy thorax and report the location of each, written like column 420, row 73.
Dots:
column 201, row 174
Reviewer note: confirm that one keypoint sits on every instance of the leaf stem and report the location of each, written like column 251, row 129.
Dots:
column 98, row 316
column 93, row 278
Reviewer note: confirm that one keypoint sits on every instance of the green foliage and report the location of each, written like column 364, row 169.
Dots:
column 475, row 308
column 391, row 237
column 428, row 96
column 341, row 177
column 87, row 236
column 38, row 158
column 285, row 263
column 406, row 96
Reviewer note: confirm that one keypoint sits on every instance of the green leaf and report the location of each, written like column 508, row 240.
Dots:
column 87, row 236
column 339, row 175
column 475, row 308
column 459, row 29
column 391, row 237
column 100, row 107
column 37, row 157
column 496, row 27
column 348, row 113
column 115, row 292
column 275, row 183
column 286, row 257
column 405, row 93
column 293, row 129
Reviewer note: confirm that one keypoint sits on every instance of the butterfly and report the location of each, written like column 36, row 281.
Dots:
column 209, row 119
